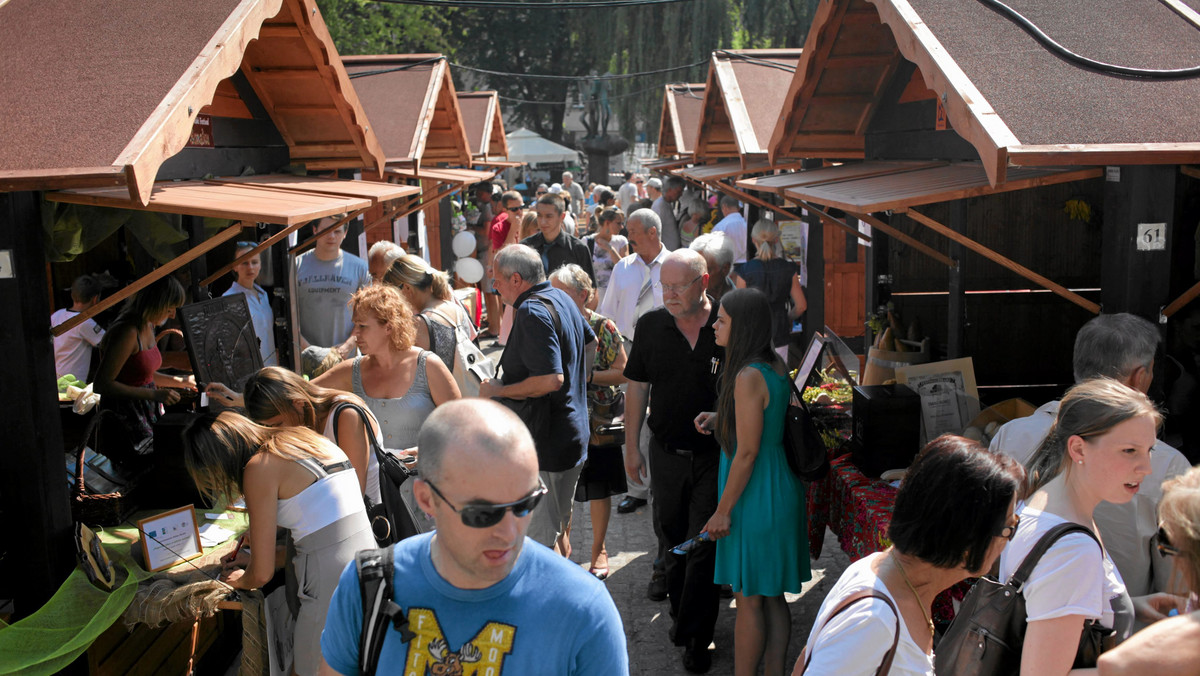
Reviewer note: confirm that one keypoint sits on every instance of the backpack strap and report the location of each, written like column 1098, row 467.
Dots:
column 1053, row 535
column 376, row 570
column 886, row 665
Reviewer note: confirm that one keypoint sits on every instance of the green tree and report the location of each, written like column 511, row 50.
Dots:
column 366, row 27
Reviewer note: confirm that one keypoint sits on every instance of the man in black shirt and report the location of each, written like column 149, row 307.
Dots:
column 552, row 243
column 674, row 360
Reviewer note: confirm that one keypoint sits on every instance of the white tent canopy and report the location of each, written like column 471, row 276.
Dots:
column 527, row 146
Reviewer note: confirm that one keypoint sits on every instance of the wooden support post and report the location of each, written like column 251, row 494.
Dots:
column 814, row 316
column 1182, row 301
column 896, row 234
column 877, row 271
column 1004, row 262
column 956, row 312
column 198, row 268
column 747, row 197
column 263, row 246
column 1132, row 278
column 33, row 487
column 152, row 277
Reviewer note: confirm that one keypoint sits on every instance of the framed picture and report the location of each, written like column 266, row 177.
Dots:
column 170, row 538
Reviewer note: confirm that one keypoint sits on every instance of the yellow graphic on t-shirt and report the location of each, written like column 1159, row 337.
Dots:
column 430, row 654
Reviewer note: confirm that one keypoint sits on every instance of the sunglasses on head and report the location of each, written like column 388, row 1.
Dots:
column 1164, row 544
column 487, row 515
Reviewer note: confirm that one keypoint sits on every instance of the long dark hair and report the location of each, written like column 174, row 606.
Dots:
column 162, row 295
column 749, row 342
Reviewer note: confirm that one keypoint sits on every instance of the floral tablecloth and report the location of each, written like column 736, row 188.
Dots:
column 859, row 509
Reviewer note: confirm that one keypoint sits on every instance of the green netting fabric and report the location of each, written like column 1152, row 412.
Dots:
column 60, row 631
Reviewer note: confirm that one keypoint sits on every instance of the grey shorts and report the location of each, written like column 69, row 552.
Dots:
column 553, row 513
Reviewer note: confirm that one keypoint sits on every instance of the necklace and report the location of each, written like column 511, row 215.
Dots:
column 913, row 589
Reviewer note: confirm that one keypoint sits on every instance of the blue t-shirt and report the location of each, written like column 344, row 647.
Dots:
column 536, row 349
column 547, row 617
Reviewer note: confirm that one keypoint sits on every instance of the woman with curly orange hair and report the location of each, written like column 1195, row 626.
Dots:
column 400, row 382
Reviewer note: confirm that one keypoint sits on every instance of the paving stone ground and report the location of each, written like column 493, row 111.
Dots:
column 631, row 545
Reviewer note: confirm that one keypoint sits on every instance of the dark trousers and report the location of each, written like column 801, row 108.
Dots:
column 685, row 497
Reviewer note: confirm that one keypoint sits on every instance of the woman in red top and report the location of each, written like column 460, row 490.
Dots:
column 128, row 380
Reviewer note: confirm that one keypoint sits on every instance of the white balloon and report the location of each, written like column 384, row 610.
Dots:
column 463, row 244
column 470, row 270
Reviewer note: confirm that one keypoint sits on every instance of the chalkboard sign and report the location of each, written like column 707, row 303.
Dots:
column 220, row 340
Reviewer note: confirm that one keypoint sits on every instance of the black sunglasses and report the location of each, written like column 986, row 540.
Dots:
column 1164, row 544
column 516, row 209
column 1010, row 532
column 488, row 515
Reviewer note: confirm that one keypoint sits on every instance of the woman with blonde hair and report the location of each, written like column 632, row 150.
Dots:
column 773, row 274
column 295, row 479
column 1097, row 450
column 277, row 397
column 1170, row 647
column 439, row 314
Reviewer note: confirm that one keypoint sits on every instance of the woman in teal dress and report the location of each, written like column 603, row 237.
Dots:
column 759, row 525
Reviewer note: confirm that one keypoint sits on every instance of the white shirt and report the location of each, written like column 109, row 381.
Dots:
column 1073, row 577
column 734, row 227
column 568, row 223
column 259, row 303
column 1126, row 529
column 73, row 349
column 627, row 194
column 633, row 290
column 854, row 642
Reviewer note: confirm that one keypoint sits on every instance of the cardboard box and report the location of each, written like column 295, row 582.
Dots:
column 1005, row 411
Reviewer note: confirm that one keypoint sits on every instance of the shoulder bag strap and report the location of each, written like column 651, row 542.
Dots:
column 886, row 665
column 1053, row 535
column 371, row 438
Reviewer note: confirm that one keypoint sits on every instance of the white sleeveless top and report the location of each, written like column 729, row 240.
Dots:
column 332, row 497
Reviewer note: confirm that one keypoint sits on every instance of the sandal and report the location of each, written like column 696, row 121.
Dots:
column 598, row 573
column 486, row 335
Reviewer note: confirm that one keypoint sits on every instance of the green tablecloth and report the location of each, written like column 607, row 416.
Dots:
column 60, row 631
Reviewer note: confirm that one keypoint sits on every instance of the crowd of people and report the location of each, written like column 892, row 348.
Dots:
column 646, row 358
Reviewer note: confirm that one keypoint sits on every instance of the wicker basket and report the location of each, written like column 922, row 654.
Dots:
column 105, row 509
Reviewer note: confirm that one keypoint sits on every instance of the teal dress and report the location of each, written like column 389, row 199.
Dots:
column 766, row 551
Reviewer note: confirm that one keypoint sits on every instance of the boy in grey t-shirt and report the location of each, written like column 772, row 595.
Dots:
column 326, row 278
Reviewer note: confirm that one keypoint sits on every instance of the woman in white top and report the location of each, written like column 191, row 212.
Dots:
column 258, row 300
column 295, row 479
column 953, row 516
column 1097, row 450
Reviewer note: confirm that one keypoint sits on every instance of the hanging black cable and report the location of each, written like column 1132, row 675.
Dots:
column 1092, row 64
column 394, row 69
column 756, row 60
column 626, row 95
column 622, row 76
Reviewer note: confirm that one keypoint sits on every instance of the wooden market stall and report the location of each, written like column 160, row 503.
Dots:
column 411, row 99
column 484, row 126
column 170, row 107
column 916, row 88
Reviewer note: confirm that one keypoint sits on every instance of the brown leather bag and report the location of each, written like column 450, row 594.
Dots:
column 886, row 665
column 987, row 633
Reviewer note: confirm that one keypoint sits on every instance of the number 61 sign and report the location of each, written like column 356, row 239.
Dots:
column 1151, row 236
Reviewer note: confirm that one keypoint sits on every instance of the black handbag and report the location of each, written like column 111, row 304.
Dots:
column 986, row 635
column 802, row 444
column 392, row 519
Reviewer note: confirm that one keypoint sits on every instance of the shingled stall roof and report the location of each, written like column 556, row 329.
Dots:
column 742, row 100
column 483, row 124
column 680, row 121
column 1015, row 101
column 412, row 104
column 101, row 93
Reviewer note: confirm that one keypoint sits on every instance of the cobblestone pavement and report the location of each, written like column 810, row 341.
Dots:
column 631, row 545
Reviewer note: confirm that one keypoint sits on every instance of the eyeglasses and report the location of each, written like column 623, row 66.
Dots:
column 1010, row 532
column 1164, row 544
column 488, row 515
column 679, row 288
column 516, row 210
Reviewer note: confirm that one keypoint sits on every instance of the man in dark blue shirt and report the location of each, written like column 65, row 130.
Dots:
column 552, row 243
column 545, row 366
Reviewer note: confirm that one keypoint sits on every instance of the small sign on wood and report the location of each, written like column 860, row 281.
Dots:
column 940, row 122
column 1151, row 236
column 202, row 136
